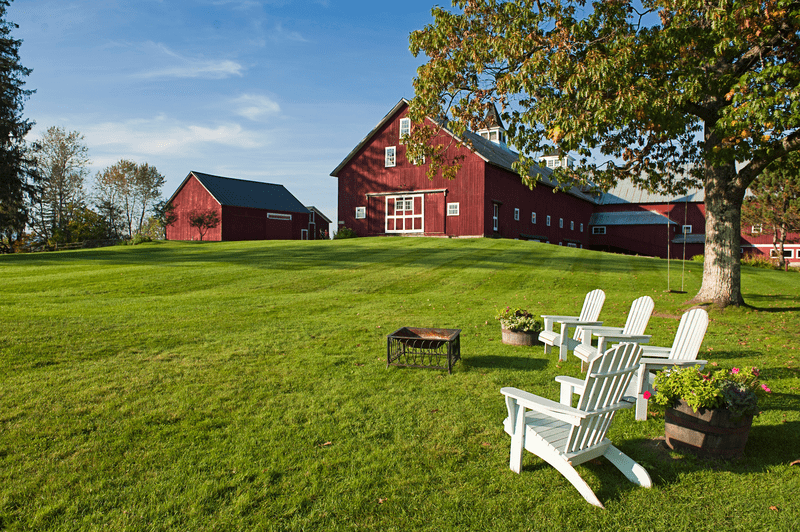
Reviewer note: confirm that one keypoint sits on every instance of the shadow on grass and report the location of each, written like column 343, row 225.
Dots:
column 506, row 362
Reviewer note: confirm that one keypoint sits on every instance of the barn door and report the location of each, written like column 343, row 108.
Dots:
column 405, row 214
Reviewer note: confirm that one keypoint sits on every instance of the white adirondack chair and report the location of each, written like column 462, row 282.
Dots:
column 683, row 352
column 633, row 331
column 589, row 314
column 565, row 436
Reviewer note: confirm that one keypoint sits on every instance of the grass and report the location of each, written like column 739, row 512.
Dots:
column 243, row 386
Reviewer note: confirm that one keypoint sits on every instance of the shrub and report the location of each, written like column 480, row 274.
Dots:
column 344, row 232
column 760, row 261
column 698, row 258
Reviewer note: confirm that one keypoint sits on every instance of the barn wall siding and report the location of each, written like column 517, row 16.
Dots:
column 192, row 196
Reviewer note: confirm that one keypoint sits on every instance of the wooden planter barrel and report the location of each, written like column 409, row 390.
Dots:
column 707, row 433
column 519, row 338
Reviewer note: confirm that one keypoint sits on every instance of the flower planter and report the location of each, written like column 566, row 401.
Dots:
column 707, row 433
column 519, row 337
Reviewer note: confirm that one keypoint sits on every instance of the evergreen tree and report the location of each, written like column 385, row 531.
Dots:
column 15, row 166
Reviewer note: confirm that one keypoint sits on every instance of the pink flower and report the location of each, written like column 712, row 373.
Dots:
column 764, row 387
column 755, row 372
column 735, row 371
column 647, row 395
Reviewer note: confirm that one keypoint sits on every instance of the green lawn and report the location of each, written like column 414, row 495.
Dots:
column 243, row 386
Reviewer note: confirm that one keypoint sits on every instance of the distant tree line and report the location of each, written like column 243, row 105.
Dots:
column 45, row 199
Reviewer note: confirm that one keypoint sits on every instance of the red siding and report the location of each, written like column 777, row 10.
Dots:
column 192, row 196
column 365, row 180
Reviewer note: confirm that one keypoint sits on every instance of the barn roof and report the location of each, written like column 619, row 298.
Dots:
column 319, row 213
column 242, row 193
column 626, row 192
column 629, row 218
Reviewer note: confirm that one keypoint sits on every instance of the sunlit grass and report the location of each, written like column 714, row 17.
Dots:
column 225, row 386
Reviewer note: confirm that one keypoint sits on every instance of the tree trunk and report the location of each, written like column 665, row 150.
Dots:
column 721, row 267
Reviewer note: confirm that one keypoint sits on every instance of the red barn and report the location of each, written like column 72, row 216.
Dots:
column 382, row 193
column 247, row 210
column 633, row 221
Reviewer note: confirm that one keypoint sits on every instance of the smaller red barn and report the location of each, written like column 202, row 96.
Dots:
column 247, row 210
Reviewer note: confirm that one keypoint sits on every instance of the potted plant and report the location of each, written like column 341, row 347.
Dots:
column 708, row 412
column 518, row 326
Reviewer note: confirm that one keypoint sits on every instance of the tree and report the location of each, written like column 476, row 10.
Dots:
column 203, row 220
column 669, row 96
column 775, row 204
column 16, row 168
column 62, row 160
column 132, row 190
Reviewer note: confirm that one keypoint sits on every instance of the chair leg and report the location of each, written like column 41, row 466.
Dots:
column 641, row 408
column 569, row 473
column 518, row 440
column 635, row 473
column 547, row 349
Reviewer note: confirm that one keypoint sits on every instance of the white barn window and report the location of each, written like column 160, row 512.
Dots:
column 547, row 221
column 390, row 158
column 405, row 127
column 361, row 213
column 599, row 230
column 516, row 214
column 533, row 217
column 452, row 209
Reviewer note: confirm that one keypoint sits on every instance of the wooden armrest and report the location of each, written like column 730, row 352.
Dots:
column 660, row 363
column 637, row 338
column 555, row 317
column 543, row 405
column 656, row 351
column 601, row 331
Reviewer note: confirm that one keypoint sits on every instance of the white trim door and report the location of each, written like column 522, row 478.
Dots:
column 495, row 216
column 405, row 214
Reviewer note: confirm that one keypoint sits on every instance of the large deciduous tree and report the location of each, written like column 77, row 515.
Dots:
column 15, row 164
column 665, row 93
column 775, row 202
column 62, row 165
column 126, row 191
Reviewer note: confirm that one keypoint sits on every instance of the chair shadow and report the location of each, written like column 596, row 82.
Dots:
column 521, row 363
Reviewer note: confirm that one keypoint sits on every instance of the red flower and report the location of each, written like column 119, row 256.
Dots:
column 647, row 395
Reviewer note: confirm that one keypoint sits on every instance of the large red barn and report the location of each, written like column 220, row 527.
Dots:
column 247, row 210
column 382, row 193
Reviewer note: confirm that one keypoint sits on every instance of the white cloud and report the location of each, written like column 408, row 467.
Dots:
column 254, row 106
column 192, row 67
column 162, row 136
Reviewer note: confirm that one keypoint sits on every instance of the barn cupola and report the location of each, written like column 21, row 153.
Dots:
column 494, row 129
column 557, row 159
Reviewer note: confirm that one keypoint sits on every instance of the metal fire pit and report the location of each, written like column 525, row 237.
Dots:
column 423, row 348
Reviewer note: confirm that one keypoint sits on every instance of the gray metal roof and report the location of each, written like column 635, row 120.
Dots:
column 626, row 192
column 252, row 194
column 629, row 218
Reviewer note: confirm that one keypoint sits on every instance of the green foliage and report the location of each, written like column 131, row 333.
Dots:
column 519, row 320
column 698, row 258
column 735, row 389
column 16, row 166
column 668, row 105
column 760, row 261
column 344, row 232
column 128, row 191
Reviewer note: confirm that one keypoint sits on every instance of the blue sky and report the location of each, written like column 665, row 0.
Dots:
column 267, row 90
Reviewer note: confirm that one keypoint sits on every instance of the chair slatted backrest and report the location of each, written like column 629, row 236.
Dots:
column 690, row 334
column 592, row 305
column 639, row 316
column 606, row 380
